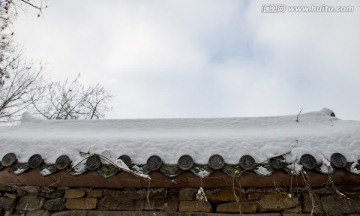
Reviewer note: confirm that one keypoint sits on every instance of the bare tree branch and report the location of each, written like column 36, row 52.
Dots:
column 18, row 92
column 23, row 87
column 32, row 5
column 71, row 100
column 297, row 117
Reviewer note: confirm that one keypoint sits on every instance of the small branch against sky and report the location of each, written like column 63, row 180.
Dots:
column 39, row 7
column 297, row 117
column 72, row 100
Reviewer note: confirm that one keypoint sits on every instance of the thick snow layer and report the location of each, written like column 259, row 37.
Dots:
column 316, row 133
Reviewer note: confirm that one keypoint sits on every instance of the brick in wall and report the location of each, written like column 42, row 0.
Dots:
column 194, row 206
column 74, row 193
column 277, row 201
column 82, row 203
column 237, row 207
column 30, row 203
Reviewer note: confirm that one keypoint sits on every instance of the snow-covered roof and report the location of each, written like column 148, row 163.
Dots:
column 319, row 134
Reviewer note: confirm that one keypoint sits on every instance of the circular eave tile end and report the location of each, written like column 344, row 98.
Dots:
column 154, row 163
column 277, row 163
column 216, row 162
column 126, row 159
column 308, row 161
column 93, row 162
column 35, row 161
column 338, row 160
column 62, row 162
column 247, row 162
column 8, row 159
column 185, row 162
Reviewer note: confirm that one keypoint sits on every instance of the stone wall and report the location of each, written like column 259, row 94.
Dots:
column 43, row 201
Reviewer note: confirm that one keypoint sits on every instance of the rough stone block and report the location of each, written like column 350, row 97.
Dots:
column 6, row 203
column 7, row 188
column 321, row 190
column 167, row 203
column 74, row 193
column 224, row 195
column 158, row 200
column 294, row 214
column 341, row 205
column 16, row 213
column 348, row 189
column 10, row 195
column 82, row 203
column 21, row 193
column 139, row 213
column 38, row 213
column 277, row 202
column 71, row 213
column 172, row 201
column 297, row 209
column 187, row 194
column 237, row 207
column 312, row 203
column 95, row 193
column 118, row 204
column 57, row 204
column 28, row 190
column 52, row 193
column 30, row 203
column 253, row 196
column 194, row 206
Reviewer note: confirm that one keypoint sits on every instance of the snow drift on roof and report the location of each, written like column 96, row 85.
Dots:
column 316, row 133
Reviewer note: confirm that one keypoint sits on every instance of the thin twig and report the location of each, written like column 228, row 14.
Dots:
column 297, row 117
column 32, row 5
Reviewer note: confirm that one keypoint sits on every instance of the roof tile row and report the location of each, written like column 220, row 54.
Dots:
column 108, row 168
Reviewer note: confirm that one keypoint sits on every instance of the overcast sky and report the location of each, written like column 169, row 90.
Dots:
column 204, row 58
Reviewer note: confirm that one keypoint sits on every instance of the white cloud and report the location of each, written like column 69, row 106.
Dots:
column 202, row 58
